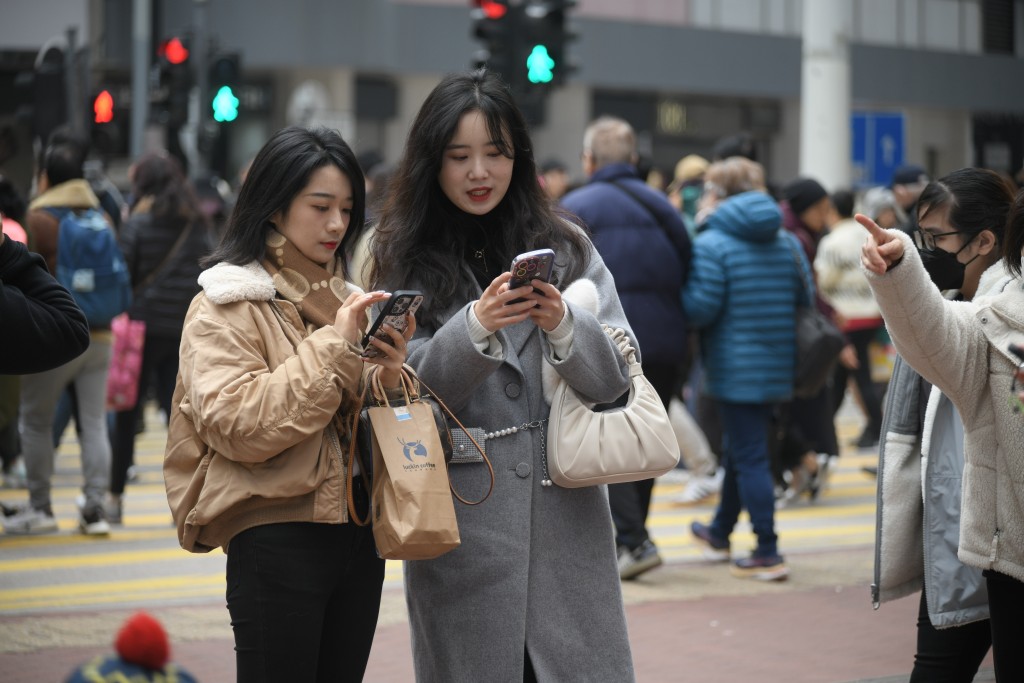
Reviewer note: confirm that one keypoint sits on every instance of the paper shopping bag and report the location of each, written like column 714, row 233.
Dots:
column 412, row 511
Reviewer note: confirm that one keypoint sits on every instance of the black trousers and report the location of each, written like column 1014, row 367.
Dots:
column 159, row 368
column 1006, row 604
column 949, row 655
column 869, row 392
column 304, row 600
column 631, row 502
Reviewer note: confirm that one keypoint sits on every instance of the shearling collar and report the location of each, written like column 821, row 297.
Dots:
column 74, row 194
column 227, row 283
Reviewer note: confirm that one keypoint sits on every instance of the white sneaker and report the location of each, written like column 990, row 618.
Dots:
column 675, row 476
column 701, row 487
column 30, row 521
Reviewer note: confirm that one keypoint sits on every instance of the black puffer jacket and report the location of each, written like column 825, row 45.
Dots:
column 146, row 242
column 43, row 327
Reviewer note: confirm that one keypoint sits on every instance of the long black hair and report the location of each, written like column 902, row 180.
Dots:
column 160, row 177
column 978, row 199
column 282, row 167
column 422, row 236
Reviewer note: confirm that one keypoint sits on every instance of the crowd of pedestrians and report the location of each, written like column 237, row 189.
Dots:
column 251, row 311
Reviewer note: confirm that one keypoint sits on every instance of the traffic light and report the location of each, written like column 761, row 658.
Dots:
column 41, row 95
column 495, row 25
column 103, row 108
column 175, row 63
column 546, row 33
column 224, row 76
column 106, row 127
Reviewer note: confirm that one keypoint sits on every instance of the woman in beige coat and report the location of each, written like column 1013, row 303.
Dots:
column 270, row 372
column 963, row 349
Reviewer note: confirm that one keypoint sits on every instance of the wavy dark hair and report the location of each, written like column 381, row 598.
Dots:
column 161, row 177
column 978, row 199
column 282, row 167
column 421, row 236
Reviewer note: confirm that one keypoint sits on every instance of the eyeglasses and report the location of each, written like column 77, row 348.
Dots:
column 926, row 240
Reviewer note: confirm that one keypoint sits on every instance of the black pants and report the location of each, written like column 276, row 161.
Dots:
column 304, row 600
column 631, row 502
column 949, row 655
column 861, row 340
column 159, row 369
column 1006, row 604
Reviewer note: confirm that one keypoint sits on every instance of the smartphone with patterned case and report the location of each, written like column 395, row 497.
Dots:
column 393, row 313
column 532, row 265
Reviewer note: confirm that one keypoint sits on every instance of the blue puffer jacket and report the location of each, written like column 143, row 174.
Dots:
column 742, row 293
column 649, row 267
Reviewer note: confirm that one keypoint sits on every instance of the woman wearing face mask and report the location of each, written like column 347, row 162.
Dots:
column 958, row 341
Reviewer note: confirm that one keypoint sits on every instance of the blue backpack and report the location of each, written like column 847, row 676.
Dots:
column 91, row 266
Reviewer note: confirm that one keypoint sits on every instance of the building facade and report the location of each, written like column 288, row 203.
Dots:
column 932, row 81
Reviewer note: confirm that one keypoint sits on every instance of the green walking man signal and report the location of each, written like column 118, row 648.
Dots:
column 225, row 105
column 541, row 66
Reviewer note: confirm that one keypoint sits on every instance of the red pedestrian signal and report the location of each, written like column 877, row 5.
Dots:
column 492, row 9
column 174, row 51
column 103, row 107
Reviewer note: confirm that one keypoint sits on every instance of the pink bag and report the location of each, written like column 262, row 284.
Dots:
column 125, row 362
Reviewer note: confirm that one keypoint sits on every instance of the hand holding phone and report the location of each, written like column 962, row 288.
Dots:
column 532, row 265
column 394, row 313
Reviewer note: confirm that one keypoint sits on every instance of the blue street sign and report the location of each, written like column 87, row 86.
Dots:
column 877, row 144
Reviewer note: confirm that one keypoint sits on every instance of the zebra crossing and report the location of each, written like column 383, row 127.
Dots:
column 141, row 564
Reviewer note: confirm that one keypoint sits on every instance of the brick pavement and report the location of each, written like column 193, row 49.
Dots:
column 688, row 622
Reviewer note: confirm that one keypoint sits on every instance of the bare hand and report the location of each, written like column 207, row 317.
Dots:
column 549, row 309
column 351, row 320
column 881, row 250
column 392, row 356
column 848, row 357
column 494, row 310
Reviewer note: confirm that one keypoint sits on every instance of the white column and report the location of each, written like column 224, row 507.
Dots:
column 825, row 93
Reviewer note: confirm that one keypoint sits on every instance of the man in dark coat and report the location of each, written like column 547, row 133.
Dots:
column 644, row 243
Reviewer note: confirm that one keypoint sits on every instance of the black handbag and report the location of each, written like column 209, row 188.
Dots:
column 818, row 342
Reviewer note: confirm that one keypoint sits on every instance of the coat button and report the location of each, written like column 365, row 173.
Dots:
column 512, row 390
column 523, row 470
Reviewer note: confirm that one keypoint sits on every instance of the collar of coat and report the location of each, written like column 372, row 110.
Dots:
column 227, row 283
column 74, row 194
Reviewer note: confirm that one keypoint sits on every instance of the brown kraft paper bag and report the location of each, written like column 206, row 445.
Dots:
column 412, row 511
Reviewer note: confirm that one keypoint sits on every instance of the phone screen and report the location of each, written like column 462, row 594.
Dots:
column 393, row 313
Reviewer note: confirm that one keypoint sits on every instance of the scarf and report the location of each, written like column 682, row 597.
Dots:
column 316, row 291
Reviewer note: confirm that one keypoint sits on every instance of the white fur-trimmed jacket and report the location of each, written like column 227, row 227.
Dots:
column 250, row 438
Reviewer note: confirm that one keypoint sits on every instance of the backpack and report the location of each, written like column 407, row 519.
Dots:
column 91, row 266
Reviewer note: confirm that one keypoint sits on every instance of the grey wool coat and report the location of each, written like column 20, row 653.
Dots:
column 537, row 567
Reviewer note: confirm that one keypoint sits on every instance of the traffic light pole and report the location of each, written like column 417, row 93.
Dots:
column 201, row 54
column 141, row 26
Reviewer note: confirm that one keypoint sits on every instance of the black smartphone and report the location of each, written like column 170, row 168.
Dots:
column 532, row 265
column 393, row 313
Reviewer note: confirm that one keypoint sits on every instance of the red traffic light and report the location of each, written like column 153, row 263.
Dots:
column 174, row 51
column 491, row 8
column 103, row 107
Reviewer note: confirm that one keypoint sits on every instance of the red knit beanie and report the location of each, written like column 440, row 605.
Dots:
column 143, row 641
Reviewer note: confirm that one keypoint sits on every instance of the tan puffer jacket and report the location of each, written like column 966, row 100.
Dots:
column 250, row 439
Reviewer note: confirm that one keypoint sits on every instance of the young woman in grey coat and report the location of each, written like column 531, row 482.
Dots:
column 533, row 592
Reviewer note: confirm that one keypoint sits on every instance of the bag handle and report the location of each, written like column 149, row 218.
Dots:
column 411, row 384
column 490, row 468
column 350, row 500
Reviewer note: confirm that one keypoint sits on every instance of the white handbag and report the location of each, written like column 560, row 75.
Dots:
column 587, row 447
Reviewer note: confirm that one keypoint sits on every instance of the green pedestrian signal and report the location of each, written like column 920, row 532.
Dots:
column 541, row 66
column 225, row 105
